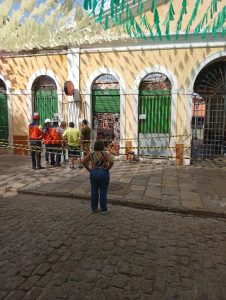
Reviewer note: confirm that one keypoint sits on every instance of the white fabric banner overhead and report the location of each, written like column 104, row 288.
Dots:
column 35, row 24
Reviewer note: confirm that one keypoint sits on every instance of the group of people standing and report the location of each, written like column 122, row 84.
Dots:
column 57, row 138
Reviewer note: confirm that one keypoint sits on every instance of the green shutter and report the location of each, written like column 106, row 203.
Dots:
column 4, row 130
column 106, row 101
column 46, row 104
column 156, row 106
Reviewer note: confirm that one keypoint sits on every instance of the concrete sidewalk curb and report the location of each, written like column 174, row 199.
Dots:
column 138, row 205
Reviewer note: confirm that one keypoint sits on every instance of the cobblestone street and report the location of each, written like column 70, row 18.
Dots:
column 155, row 186
column 53, row 248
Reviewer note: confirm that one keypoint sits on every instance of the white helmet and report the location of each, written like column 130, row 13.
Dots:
column 47, row 121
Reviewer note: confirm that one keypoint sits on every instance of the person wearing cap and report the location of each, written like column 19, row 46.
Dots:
column 56, row 148
column 98, row 162
column 47, row 139
column 35, row 140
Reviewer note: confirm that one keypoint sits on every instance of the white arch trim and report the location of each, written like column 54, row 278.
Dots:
column 104, row 70
column 9, row 105
column 205, row 62
column 174, row 91
column 190, row 92
column 118, row 76
column 31, row 80
column 156, row 69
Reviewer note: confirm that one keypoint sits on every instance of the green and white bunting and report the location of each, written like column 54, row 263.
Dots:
column 32, row 24
column 135, row 24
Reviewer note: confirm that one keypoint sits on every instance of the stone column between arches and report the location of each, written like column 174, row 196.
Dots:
column 73, row 65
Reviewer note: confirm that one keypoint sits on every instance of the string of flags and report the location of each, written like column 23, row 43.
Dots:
column 140, row 20
column 27, row 25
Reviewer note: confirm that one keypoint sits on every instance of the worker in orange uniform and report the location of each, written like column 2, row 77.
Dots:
column 56, row 148
column 35, row 139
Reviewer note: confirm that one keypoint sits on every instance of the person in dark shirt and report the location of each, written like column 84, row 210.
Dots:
column 85, row 137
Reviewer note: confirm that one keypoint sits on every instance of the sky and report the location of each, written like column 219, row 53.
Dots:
column 16, row 6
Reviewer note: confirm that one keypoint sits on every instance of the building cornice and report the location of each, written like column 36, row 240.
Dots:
column 154, row 47
column 129, row 44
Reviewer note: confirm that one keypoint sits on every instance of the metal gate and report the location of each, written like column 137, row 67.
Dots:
column 4, row 130
column 46, row 104
column 154, row 115
column 209, row 115
column 45, row 100
column 106, row 111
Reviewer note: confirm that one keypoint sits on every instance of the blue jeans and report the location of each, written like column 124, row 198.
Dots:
column 55, row 154
column 99, row 179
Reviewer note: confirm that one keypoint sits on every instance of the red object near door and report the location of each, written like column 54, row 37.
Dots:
column 69, row 88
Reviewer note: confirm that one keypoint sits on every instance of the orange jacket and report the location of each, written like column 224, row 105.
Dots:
column 47, row 136
column 35, row 133
column 56, row 138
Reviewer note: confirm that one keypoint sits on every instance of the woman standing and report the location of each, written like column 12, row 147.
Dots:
column 101, row 162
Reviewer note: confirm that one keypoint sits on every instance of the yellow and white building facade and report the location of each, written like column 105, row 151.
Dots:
column 165, row 99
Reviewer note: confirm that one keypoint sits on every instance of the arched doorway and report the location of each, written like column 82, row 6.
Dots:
column 209, row 113
column 106, row 111
column 45, row 100
column 154, row 115
column 4, row 128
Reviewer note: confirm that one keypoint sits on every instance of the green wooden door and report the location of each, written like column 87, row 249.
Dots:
column 4, row 130
column 46, row 104
column 105, row 101
column 155, row 105
column 154, row 122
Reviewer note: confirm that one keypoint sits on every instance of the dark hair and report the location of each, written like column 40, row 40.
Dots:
column 71, row 124
column 84, row 122
column 99, row 145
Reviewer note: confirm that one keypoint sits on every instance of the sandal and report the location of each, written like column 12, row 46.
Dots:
column 72, row 167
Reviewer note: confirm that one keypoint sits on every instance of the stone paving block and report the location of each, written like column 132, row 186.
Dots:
column 140, row 182
column 171, row 201
column 13, row 282
column 16, row 295
column 42, row 269
column 119, row 280
column 34, row 293
column 63, row 190
column 109, row 270
column 103, row 282
column 78, row 276
column 135, row 283
column 197, row 204
column 97, row 294
column 137, row 270
column 153, row 193
column 125, row 179
column 3, row 294
column 29, row 283
column 58, row 279
column 170, row 191
column 50, row 293
column 170, row 183
column 137, row 188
